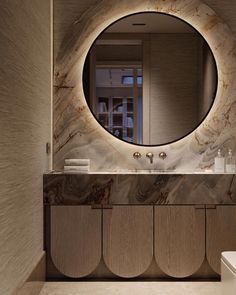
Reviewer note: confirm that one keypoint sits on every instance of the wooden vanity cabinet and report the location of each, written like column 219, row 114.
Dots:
column 220, row 233
column 76, row 233
column 81, row 234
column 128, row 236
column 179, row 239
column 128, row 239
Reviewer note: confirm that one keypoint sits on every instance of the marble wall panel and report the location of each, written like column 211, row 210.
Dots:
column 78, row 135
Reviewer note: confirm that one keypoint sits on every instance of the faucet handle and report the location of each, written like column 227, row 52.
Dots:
column 162, row 155
column 150, row 156
column 137, row 155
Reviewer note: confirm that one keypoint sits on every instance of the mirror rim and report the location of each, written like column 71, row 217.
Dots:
column 210, row 106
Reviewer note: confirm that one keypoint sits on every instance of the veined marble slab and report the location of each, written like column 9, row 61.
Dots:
column 137, row 188
column 77, row 133
column 138, row 171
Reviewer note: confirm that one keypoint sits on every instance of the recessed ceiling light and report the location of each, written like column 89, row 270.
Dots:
column 138, row 24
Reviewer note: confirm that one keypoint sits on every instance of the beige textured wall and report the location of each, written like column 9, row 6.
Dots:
column 25, row 111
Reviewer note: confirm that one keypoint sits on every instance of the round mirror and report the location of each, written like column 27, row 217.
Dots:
column 150, row 79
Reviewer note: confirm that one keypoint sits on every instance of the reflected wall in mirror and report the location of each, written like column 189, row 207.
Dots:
column 150, row 79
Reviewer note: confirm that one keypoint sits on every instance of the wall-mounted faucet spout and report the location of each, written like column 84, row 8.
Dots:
column 150, row 156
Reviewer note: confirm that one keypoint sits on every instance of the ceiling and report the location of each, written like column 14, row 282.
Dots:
column 154, row 23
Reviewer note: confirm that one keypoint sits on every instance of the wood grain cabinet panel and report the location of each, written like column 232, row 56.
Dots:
column 220, row 233
column 75, row 239
column 179, row 239
column 128, row 239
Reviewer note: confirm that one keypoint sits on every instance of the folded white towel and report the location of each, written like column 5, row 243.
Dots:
column 77, row 162
column 76, row 168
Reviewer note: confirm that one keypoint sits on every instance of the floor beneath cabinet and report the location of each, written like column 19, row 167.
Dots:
column 131, row 288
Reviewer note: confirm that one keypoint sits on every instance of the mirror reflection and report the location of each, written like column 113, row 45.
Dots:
column 150, row 79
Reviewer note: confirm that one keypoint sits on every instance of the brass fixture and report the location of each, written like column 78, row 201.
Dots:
column 150, row 156
column 162, row 155
column 137, row 155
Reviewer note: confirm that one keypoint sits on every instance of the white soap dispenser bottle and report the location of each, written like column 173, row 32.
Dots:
column 230, row 162
column 219, row 162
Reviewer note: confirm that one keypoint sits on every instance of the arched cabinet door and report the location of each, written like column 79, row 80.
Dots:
column 220, row 233
column 75, row 239
column 179, row 239
column 128, row 239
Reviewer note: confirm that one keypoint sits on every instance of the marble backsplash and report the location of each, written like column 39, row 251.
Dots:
column 77, row 133
column 161, row 189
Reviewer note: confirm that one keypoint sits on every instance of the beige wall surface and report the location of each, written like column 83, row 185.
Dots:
column 25, row 112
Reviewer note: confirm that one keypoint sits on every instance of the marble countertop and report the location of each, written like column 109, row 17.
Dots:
column 123, row 172
column 139, row 188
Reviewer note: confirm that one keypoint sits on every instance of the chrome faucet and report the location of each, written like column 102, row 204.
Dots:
column 150, row 156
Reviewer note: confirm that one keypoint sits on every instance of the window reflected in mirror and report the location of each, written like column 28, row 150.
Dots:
column 118, row 97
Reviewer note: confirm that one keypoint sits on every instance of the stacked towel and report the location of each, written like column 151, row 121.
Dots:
column 77, row 166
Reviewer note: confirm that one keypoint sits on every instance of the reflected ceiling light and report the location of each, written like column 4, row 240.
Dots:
column 138, row 24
